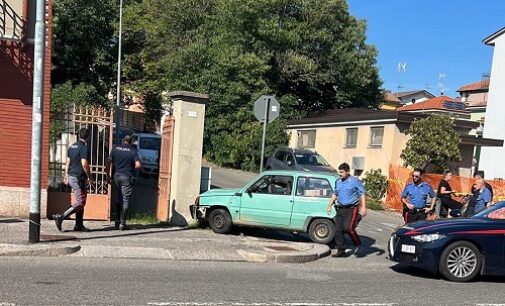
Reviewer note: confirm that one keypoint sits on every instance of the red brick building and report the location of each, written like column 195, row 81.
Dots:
column 16, row 76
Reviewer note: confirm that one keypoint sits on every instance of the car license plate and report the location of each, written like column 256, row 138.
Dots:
column 406, row 248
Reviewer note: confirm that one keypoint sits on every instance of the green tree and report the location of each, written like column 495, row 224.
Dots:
column 311, row 54
column 433, row 140
column 84, row 45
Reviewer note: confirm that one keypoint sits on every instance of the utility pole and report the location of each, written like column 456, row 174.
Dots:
column 37, row 106
column 118, row 93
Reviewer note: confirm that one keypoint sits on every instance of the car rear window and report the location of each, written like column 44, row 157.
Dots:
column 313, row 187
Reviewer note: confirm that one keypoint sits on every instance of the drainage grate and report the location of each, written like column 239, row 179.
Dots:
column 280, row 248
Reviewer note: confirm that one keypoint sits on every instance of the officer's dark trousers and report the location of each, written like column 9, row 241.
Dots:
column 345, row 222
column 124, row 190
column 416, row 215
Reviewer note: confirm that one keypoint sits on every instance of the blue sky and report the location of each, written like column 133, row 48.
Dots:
column 432, row 37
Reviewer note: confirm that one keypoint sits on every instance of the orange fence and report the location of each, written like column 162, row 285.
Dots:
column 399, row 177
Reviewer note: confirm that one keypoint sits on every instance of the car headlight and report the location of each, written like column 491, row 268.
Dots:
column 427, row 237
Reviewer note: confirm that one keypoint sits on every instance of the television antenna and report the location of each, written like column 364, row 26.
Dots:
column 441, row 82
column 401, row 68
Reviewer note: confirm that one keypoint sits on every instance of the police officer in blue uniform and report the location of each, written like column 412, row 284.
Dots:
column 77, row 171
column 350, row 202
column 125, row 159
column 414, row 197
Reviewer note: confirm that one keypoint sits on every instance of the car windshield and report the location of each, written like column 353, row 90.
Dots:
column 150, row 143
column 310, row 159
column 496, row 211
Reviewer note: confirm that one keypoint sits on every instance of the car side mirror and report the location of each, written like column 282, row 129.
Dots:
column 249, row 192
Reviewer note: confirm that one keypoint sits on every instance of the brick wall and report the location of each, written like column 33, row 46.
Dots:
column 16, row 66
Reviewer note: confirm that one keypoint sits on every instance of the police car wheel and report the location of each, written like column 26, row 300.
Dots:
column 220, row 221
column 460, row 262
column 322, row 231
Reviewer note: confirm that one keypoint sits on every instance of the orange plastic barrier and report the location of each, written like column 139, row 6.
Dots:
column 400, row 176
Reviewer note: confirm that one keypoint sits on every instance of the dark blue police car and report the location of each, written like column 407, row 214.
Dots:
column 458, row 248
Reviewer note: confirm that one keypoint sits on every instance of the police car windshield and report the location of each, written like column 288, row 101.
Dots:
column 310, row 159
column 150, row 143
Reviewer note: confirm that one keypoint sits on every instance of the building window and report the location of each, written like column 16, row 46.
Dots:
column 307, row 139
column 376, row 136
column 351, row 137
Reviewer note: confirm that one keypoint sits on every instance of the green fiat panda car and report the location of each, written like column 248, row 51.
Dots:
column 285, row 200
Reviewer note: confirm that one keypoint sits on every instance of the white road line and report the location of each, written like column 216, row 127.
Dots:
column 379, row 229
column 391, row 225
column 265, row 304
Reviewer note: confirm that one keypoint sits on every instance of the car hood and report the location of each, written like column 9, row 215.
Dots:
column 318, row 168
column 219, row 192
column 444, row 226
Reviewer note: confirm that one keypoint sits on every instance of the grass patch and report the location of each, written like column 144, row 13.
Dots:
column 374, row 204
column 144, row 219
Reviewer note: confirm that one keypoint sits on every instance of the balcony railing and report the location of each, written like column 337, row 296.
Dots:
column 11, row 23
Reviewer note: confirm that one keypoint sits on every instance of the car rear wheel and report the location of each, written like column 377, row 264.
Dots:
column 460, row 261
column 322, row 231
column 220, row 221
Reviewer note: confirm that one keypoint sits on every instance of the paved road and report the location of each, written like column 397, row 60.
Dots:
column 81, row 281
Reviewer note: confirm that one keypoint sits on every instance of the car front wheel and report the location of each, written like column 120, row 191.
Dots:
column 220, row 221
column 460, row 262
column 322, row 231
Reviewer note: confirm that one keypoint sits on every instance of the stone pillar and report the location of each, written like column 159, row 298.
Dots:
column 189, row 116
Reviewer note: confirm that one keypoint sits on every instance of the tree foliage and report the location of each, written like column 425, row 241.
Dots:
column 433, row 140
column 310, row 54
column 84, row 45
column 376, row 184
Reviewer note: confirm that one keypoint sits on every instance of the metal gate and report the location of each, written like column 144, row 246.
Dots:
column 64, row 129
column 165, row 174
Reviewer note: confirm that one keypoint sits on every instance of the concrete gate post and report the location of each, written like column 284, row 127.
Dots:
column 189, row 116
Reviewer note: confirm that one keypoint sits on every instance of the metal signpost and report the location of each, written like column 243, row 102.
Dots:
column 266, row 109
column 38, row 96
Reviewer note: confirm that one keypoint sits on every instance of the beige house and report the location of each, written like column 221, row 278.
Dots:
column 372, row 139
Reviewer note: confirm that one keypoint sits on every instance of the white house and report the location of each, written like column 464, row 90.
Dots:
column 492, row 158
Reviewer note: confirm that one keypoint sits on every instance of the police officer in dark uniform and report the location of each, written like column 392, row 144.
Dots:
column 350, row 202
column 77, row 171
column 125, row 159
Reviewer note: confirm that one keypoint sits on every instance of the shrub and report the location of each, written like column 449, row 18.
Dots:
column 376, row 184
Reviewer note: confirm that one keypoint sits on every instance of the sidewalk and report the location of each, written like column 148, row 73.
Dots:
column 151, row 242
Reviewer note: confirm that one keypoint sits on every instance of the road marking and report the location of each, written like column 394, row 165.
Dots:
column 391, row 225
column 266, row 304
column 379, row 229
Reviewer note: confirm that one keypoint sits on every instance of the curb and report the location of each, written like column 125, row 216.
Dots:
column 317, row 251
column 40, row 249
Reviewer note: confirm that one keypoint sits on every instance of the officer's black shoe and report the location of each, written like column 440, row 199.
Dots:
column 116, row 225
column 123, row 227
column 58, row 219
column 339, row 253
column 81, row 228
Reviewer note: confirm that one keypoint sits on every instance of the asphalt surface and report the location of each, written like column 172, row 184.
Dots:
column 84, row 281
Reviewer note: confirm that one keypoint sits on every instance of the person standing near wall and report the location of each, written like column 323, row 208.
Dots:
column 350, row 202
column 77, row 172
column 125, row 159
